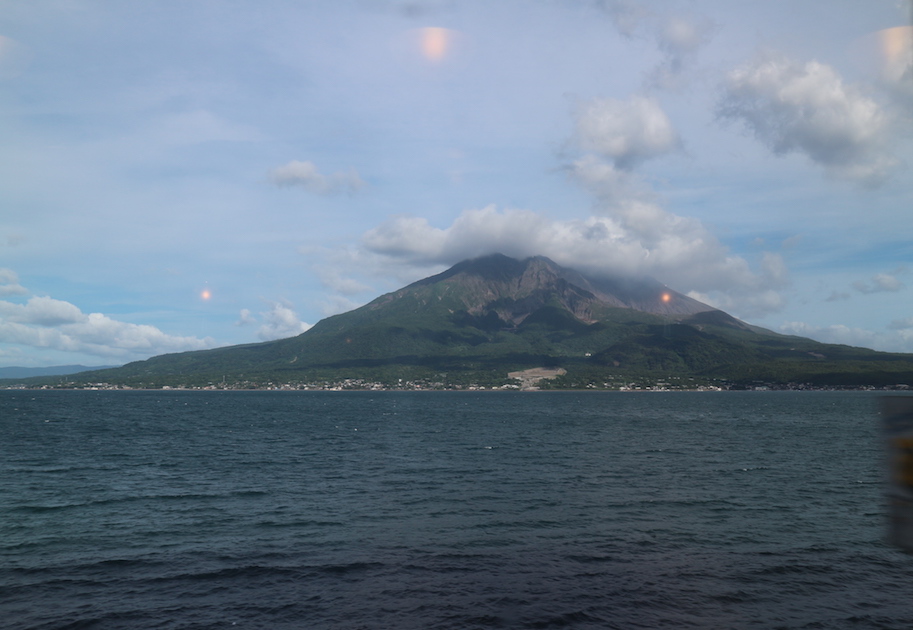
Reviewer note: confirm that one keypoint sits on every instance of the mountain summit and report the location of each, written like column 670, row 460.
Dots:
column 485, row 318
column 514, row 289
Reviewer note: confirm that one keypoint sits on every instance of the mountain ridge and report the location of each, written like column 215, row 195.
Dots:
column 490, row 316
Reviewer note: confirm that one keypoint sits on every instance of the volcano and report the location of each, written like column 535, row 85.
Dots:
column 487, row 317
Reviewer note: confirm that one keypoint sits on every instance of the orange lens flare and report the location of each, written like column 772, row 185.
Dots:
column 205, row 294
column 435, row 42
column 666, row 298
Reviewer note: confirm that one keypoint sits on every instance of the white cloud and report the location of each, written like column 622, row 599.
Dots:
column 306, row 175
column 899, row 341
column 880, row 282
column 44, row 322
column 616, row 189
column 808, row 109
column 279, row 322
column 626, row 132
column 245, row 318
column 678, row 251
column 43, row 311
column 9, row 283
column 755, row 294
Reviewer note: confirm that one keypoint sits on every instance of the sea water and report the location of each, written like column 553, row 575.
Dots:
column 445, row 510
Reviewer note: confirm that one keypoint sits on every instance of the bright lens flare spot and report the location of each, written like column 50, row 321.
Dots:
column 896, row 46
column 895, row 42
column 435, row 42
column 205, row 294
column 666, row 298
column 887, row 53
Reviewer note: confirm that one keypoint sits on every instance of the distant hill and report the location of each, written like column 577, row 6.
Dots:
column 56, row 370
column 486, row 317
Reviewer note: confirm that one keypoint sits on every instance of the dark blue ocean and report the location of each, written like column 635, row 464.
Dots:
column 440, row 510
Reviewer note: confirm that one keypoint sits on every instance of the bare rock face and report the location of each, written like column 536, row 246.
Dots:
column 513, row 289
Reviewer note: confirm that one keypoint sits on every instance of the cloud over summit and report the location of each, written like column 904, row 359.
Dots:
column 629, row 232
column 685, row 256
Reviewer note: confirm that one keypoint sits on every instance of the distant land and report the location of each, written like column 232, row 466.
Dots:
column 55, row 370
column 498, row 322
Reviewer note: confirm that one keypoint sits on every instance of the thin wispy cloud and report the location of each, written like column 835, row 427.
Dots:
column 902, row 324
column 305, row 175
column 9, row 283
column 838, row 296
column 880, row 283
column 336, row 282
column 626, row 15
column 680, row 38
column 688, row 257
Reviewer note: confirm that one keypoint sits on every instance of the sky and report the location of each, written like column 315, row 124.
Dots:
column 186, row 174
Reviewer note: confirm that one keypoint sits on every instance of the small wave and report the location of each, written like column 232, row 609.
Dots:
column 441, row 568
column 229, row 573
column 345, row 569
column 568, row 620
column 795, row 569
column 58, row 469
column 592, row 559
column 189, row 496
column 299, row 523
column 735, row 597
